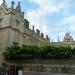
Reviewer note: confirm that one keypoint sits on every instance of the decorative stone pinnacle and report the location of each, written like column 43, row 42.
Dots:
column 3, row 2
column 47, row 36
column 12, row 4
column 18, row 7
column 19, row 3
column 33, row 27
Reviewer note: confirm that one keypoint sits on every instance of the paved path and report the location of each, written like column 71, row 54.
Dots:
column 44, row 73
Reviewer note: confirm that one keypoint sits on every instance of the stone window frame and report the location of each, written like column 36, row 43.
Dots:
column 0, row 21
column 16, row 37
column 17, row 24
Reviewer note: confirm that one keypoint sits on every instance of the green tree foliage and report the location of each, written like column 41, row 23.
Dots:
column 16, row 52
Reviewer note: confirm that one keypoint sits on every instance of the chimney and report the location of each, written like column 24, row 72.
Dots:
column 33, row 27
column 22, row 15
column 12, row 4
column 26, row 23
column 18, row 8
column 42, row 35
column 38, row 32
column 47, row 37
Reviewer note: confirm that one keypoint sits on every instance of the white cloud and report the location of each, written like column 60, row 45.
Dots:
column 36, row 16
column 0, row 2
column 45, row 29
column 36, row 19
column 46, row 7
column 67, row 20
column 70, row 19
column 72, row 28
column 52, row 6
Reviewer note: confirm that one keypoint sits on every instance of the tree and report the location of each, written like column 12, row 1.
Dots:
column 16, row 52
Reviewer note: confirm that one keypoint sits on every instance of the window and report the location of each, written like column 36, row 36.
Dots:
column 17, row 24
column 34, row 42
column 0, row 13
column 0, row 22
column 0, row 18
column 16, row 37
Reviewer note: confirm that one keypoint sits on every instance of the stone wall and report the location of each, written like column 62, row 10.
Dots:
column 48, row 66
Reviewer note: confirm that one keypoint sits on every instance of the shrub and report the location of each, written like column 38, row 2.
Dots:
column 16, row 52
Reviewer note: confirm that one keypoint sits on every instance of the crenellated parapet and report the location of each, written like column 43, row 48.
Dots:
column 38, row 32
column 18, row 8
column 33, row 28
column 42, row 35
column 47, row 38
column 22, row 15
column 12, row 5
column 26, row 23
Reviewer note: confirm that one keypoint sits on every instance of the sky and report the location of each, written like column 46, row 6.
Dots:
column 51, row 17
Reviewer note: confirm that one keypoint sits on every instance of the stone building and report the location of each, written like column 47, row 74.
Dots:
column 67, row 41
column 15, row 28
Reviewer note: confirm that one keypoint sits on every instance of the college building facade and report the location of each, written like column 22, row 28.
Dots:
column 14, row 28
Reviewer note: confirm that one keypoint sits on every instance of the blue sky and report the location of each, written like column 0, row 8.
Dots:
column 52, row 17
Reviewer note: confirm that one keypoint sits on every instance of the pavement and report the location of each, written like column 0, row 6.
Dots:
column 43, row 73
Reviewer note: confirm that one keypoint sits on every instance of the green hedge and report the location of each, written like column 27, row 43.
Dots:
column 16, row 52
